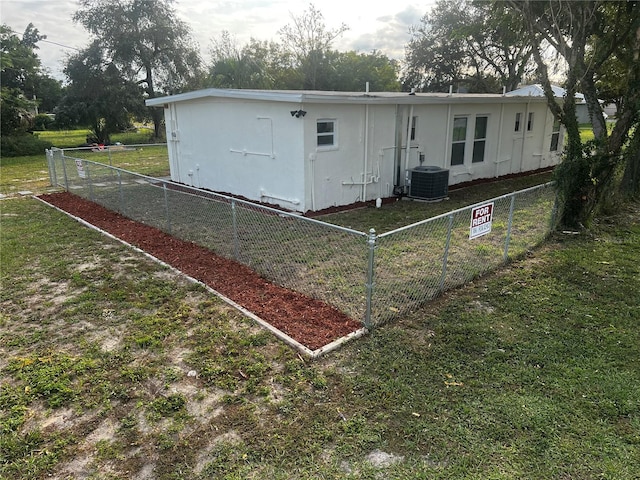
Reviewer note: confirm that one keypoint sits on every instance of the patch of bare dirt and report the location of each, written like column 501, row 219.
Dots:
column 80, row 466
column 308, row 321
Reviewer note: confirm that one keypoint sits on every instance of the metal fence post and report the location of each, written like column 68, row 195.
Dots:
column 166, row 207
column 120, row 192
column 371, row 242
column 508, row 239
column 234, row 221
column 445, row 256
column 52, row 168
column 64, row 171
column 88, row 175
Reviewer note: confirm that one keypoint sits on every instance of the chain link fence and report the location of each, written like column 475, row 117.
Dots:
column 414, row 264
column 369, row 277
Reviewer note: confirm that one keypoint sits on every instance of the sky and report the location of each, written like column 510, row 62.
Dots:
column 381, row 25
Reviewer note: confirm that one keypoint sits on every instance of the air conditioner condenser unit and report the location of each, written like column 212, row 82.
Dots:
column 428, row 183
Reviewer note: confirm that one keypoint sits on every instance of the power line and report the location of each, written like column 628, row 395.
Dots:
column 47, row 41
column 60, row 45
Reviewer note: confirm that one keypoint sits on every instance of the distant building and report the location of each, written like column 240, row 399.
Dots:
column 582, row 113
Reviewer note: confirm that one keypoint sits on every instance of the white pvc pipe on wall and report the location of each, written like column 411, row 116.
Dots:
column 366, row 150
column 408, row 149
column 498, row 161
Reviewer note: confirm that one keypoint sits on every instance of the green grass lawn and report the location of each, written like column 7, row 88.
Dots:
column 112, row 366
column 28, row 173
column 151, row 160
column 586, row 130
column 65, row 138
column 405, row 212
column 76, row 138
column 31, row 173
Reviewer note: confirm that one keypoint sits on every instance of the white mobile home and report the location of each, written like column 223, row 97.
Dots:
column 310, row 150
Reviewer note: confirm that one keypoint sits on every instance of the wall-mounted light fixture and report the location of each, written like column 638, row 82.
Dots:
column 298, row 113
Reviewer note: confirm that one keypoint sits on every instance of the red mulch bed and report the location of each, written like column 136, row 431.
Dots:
column 312, row 323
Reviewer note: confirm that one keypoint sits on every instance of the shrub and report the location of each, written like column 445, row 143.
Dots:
column 23, row 144
column 43, row 122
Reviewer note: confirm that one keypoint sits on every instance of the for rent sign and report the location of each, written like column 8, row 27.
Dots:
column 481, row 220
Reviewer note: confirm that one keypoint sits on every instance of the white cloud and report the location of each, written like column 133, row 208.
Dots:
column 391, row 33
column 52, row 18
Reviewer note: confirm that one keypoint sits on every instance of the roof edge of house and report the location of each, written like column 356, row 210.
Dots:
column 314, row 96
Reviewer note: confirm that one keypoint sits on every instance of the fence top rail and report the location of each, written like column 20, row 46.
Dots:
column 198, row 192
column 106, row 148
column 462, row 209
column 195, row 191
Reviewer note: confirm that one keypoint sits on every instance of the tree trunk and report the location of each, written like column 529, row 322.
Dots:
column 157, row 114
column 585, row 177
column 593, row 106
column 630, row 184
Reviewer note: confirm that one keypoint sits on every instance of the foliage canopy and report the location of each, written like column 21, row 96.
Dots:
column 474, row 46
column 590, row 37
column 26, row 87
column 146, row 42
column 98, row 95
column 304, row 59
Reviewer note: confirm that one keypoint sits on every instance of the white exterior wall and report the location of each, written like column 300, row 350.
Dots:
column 382, row 151
column 506, row 151
column 530, row 149
column 256, row 149
column 359, row 166
column 248, row 148
column 433, row 134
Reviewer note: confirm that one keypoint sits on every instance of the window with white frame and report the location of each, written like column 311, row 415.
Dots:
column 479, row 138
column 326, row 133
column 555, row 136
column 530, row 122
column 518, row 122
column 459, row 140
column 414, row 126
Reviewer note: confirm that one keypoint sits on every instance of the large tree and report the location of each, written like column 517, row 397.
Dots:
column 472, row 45
column 588, row 35
column 98, row 95
column 25, row 84
column 146, row 41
